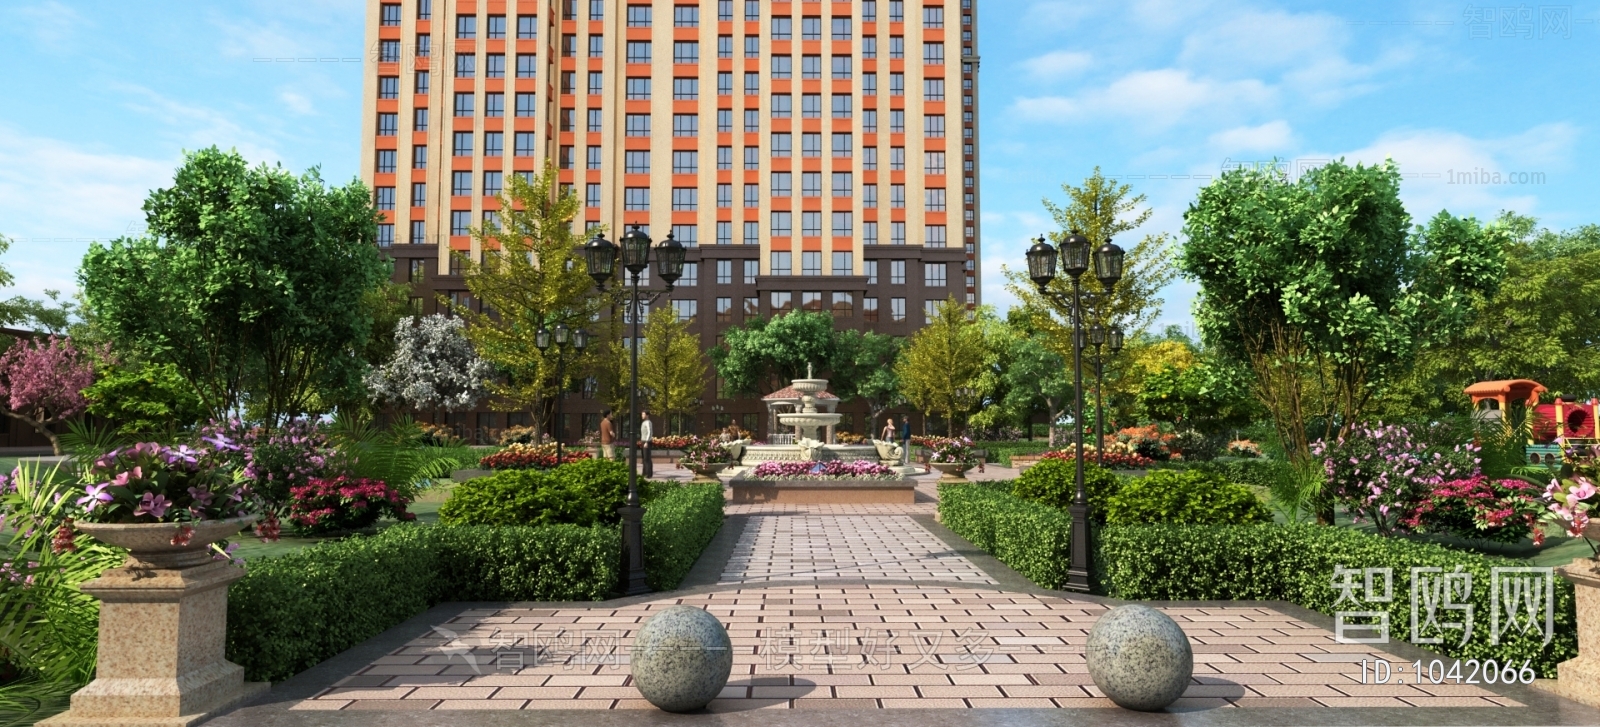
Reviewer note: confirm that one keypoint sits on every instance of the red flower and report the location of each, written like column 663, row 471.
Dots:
column 63, row 542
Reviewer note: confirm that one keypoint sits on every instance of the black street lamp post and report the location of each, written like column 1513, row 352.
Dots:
column 601, row 256
column 578, row 340
column 1075, row 261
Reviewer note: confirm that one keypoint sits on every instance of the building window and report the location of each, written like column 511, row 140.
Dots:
column 782, row 226
column 524, row 146
column 841, row 106
column 782, row 145
column 933, row 162
column 724, row 84
column 933, row 275
column 897, row 47
column 685, row 89
column 897, row 196
column 935, row 236
column 782, row 184
column 811, row 184
column 724, row 196
column 685, row 125
column 933, row 54
column 724, row 158
column 596, row 85
column 935, row 199
column 897, row 233
column 388, row 15
column 897, row 121
column 419, row 119
column 752, row 268
column 870, row 268
column 417, row 271
column 636, row 199
column 686, row 52
column 422, row 82
column 811, row 145
column 782, row 68
column 724, row 310
column 525, row 105
column 810, row 263
column 843, row 184
column 388, row 124
column 419, row 156
column 933, row 89
column 638, row 16
column 843, row 306
column 724, row 233
column 494, row 65
column 388, row 87
column 782, row 29
column 685, row 199
column 869, row 121
column 389, row 51
column 811, row 302
column 869, row 310
column 461, row 184
column 811, row 67
column 811, row 28
column 841, row 68
column 636, row 162
column 691, row 271
column 843, row 263
column 811, row 224
column 527, row 27
column 869, row 84
column 527, row 66
column 496, row 27
column 597, row 46
column 686, row 16
column 463, row 144
column 493, row 143
column 386, row 161
column 752, row 159
column 724, row 121
column 593, row 153
column 897, row 272
column 385, row 235
column 752, row 308
column 869, row 196
column 933, row 127
column 385, row 198
column 461, row 221
column 843, row 224
column 638, row 89
column 724, row 272
column 897, row 310
column 491, row 184
column 494, row 105
column 463, row 104
column 466, row 66
column 638, row 50
column 782, row 303
column 752, row 84
column 591, row 196
column 782, row 105
column 638, row 124
column 869, row 233
column 685, row 162
column 782, row 261
column 752, row 234
column 752, row 196
column 841, row 28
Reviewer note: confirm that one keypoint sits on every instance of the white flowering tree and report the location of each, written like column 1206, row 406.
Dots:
column 434, row 367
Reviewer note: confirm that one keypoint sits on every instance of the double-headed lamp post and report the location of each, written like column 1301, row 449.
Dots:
column 1075, row 255
column 601, row 256
column 1100, row 337
column 578, row 340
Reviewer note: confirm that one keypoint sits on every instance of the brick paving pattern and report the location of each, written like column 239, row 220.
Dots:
column 873, row 646
column 809, row 547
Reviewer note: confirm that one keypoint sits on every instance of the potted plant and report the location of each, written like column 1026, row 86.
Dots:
column 704, row 457
column 167, row 505
column 952, row 457
column 1570, row 506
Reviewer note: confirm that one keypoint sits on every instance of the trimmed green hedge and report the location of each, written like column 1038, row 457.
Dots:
column 678, row 523
column 1035, row 540
column 1192, row 497
column 1054, row 482
column 291, row 612
column 585, row 492
column 1268, row 562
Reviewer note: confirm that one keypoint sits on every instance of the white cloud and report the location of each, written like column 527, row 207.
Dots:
column 55, row 197
column 1269, row 137
column 1262, row 40
column 1057, row 64
column 296, row 102
column 197, row 127
column 1152, row 99
column 53, row 26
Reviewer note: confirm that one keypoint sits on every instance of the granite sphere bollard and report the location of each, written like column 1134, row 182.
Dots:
column 681, row 659
column 1139, row 657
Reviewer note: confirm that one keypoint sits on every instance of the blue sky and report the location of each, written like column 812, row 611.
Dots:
column 1159, row 94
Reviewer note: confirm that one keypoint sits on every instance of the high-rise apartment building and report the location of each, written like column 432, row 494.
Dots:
column 812, row 155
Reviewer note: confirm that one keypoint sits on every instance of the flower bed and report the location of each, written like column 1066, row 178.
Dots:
column 343, row 503
column 672, row 441
column 531, row 457
column 704, row 451
column 951, row 450
column 830, row 470
column 1113, row 460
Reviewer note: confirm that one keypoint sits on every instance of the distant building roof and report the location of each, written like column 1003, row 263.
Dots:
column 789, row 392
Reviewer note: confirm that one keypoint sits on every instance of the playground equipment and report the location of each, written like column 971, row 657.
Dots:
column 1563, row 422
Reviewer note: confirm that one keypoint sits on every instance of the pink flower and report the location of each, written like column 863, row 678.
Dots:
column 152, row 504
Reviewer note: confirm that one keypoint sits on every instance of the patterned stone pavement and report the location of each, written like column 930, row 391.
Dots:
column 810, row 547
column 868, row 647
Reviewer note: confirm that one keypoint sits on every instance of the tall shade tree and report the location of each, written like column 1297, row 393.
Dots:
column 765, row 354
column 943, row 367
column 672, row 369
column 249, row 282
column 532, row 275
column 433, row 367
column 1028, row 377
column 1539, row 325
column 1103, row 210
column 1325, row 290
column 864, row 368
column 43, row 383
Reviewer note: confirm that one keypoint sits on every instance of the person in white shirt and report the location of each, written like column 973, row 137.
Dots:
column 646, row 433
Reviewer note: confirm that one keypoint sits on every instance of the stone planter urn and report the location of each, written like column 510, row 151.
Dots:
column 705, row 472
column 1578, row 678
column 951, row 471
column 163, row 628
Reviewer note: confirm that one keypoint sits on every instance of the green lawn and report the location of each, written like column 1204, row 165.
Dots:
column 426, row 508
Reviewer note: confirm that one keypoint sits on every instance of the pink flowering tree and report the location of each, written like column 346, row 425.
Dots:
column 42, row 383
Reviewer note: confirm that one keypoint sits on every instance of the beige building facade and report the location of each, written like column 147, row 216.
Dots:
column 812, row 155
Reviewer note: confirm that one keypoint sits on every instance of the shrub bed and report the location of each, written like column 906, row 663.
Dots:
column 678, row 523
column 1268, row 562
column 293, row 611
column 1190, row 497
column 1053, row 482
column 1000, row 453
column 581, row 493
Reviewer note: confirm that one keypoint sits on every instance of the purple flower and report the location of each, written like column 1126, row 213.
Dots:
column 95, row 494
column 152, row 504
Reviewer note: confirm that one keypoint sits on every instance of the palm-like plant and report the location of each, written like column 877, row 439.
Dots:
column 397, row 455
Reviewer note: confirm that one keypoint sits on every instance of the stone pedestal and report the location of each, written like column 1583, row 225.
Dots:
column 162, row 636
column 1578, row 678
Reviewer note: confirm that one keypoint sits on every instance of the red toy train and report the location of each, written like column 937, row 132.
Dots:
column 1566, row 419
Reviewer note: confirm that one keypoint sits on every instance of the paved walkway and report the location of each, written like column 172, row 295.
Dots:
column 866, row 607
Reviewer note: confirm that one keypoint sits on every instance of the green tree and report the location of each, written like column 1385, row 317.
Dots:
column 765, row 354
column 532, row 275
column 672, row 370
column 142, row 398
column 1210, row 397
column 1028, row 377
column 1323, row 288
column 864, row 367
column 1103, row 210
column 1538, row 325
column 944, row 365
column 249, row 283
